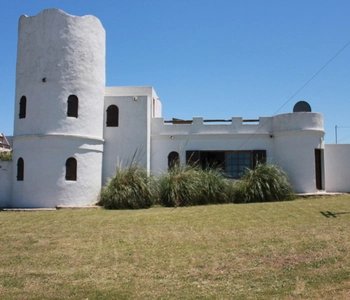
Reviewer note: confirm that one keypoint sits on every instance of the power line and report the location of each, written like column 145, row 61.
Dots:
column 301, row 88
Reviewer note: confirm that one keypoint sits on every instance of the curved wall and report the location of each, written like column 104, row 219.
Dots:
column 59, row 55
column 296, row 136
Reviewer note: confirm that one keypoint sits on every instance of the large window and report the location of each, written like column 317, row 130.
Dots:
column 72, row 106
column 112, row 116
column 22, row 107
column 71, row 169
column 232, row 163
column 20, row 169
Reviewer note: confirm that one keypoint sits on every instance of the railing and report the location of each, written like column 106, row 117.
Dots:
column 180, row 121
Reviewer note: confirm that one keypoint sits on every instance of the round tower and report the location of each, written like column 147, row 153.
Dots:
column 58, row 128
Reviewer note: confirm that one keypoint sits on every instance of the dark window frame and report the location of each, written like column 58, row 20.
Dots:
column 71, row 169
column 173, row 159
column 22, row 107
column 221, row 159
column 20, row 169
column 112, row 116
column 72, row 106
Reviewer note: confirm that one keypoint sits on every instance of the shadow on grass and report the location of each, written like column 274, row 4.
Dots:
column 329, row 214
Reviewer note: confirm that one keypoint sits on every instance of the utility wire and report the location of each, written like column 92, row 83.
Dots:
column 302, row 87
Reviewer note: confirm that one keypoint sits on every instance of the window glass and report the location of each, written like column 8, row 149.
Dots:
column 71, row 169
column 72, row 106
column 112, row 116
column 22, row 107
column 20, row 169
column 173, row 159
column 237, row 162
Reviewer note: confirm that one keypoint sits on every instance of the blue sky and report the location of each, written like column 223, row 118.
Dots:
column 214, row 59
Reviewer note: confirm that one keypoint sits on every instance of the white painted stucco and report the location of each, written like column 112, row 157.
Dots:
column 5, row 183
column 337, row 168
column 59, row 55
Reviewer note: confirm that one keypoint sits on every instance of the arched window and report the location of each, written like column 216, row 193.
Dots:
column 22, row 107
column 112, row 116
column 72, row 107
column 71, row 169
column 20, row 169
column 173, row 159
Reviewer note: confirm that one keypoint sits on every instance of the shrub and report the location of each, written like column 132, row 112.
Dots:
column 190, row 185
column 130, row 188
column 265, row 183
column 6, row 156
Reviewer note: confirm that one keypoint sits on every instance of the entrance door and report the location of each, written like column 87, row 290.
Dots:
column 318, row 168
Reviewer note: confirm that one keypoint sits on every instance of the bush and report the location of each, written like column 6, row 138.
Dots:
column 265, row 183
column 190, row 185
column 6, row 156
column 129, row 188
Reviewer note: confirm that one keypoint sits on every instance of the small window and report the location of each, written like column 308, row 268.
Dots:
column 71, row 169
column 72, row 107
column 112, row 116
column 173, row 159
column 20, row 169
column 22, row 107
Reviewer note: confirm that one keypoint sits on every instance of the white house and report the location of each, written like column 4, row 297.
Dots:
column 70, row 130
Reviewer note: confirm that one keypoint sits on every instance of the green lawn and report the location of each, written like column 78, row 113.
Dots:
column 282, row 250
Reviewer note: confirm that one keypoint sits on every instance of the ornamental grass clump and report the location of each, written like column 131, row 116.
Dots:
column 190, row 185
column 130, row 188
column 214, row 187
column 265, row 183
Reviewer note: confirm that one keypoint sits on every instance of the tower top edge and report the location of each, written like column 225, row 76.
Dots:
column 57, row 11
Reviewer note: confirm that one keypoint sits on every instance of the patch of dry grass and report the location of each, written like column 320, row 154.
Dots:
column 282, row 250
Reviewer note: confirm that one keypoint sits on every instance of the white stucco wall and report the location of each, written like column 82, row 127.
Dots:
column 44, row 183
column 130, row 137
column 290, row 141
column 296, row 136
column 337, row 168
column 5, row 183
column 68, row 51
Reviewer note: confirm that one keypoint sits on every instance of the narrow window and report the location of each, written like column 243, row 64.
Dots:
column 318, row 168
column 112, row 116
column 71, row 169
column 20, row 169
column 22, row 107
column 72, row 107
column 173, row 159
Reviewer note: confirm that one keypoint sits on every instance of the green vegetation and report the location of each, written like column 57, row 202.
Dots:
column 283, row 250
column 6, row 156
column 265, row 183
column 130, row 188
column 190, row 185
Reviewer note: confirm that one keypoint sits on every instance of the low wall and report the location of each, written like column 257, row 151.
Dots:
column 337, row 168
column 5, row 183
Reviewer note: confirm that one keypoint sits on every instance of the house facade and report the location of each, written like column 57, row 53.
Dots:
column 71, row 131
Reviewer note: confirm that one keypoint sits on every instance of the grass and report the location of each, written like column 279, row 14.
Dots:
column 282, row 250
